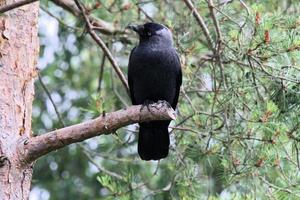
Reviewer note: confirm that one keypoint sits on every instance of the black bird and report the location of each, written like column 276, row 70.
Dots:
column 154, row 73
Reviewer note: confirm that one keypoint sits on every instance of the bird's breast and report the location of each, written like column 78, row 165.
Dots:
column 154, row 76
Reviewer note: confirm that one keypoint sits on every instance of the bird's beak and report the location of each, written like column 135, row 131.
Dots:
column 135, row 28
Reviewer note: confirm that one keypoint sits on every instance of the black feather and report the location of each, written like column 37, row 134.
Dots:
column 154, row 73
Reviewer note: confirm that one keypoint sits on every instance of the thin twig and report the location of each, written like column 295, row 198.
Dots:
column 275, row 186
column 248, row 13
column 101, row 43
column 102, row 169
column 254, row 80
column 213, row 16
column 219, row 41
column 103, row 26
column 227, row 16
column 51, row 100
column 201, row 22
column 101, row 72
column 59, row 20
column 146, row 14
column 263, row 69
column 297, row 155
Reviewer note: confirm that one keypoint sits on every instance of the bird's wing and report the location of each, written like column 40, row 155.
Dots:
column 130, row 80
column 178, row 80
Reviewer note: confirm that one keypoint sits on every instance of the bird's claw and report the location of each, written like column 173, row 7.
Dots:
column 159, row 104
column 147, row 104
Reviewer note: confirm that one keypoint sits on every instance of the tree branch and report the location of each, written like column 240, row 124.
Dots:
column 51, row 100
column 201, row 22
column 104, row 48
column 215, row 20
column 6, row 8
column 103, row 26
column 40, row 145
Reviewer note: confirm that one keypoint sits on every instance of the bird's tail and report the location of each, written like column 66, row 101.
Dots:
column 154, row 140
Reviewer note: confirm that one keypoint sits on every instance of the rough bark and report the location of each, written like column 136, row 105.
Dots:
column 19, row 48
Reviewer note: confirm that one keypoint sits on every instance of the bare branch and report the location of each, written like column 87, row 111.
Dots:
column 200, row 21
column 101, row 73
column 219, row 42
column 215, row 20
column 227, row 16
column 103, row 26
column 60, row 21
column 100, row 167
column 145, row 13
column 6, row 8
column 40, row 145
column 51, row 100
column 101, row 43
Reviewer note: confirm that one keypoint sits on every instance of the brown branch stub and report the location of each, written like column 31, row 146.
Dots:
column 43, row 144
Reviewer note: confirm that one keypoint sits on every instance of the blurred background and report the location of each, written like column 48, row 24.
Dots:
column 237, row 131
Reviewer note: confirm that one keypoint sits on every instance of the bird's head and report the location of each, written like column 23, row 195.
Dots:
column 153, row 32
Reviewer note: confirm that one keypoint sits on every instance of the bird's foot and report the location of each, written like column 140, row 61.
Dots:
column 147, row 104
column 157, row 105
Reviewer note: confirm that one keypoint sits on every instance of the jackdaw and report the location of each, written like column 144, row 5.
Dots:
column 154, row 73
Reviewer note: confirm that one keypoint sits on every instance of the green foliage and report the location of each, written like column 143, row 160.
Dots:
column 237, row 131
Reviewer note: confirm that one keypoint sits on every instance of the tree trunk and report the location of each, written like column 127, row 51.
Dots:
column 19, row 48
